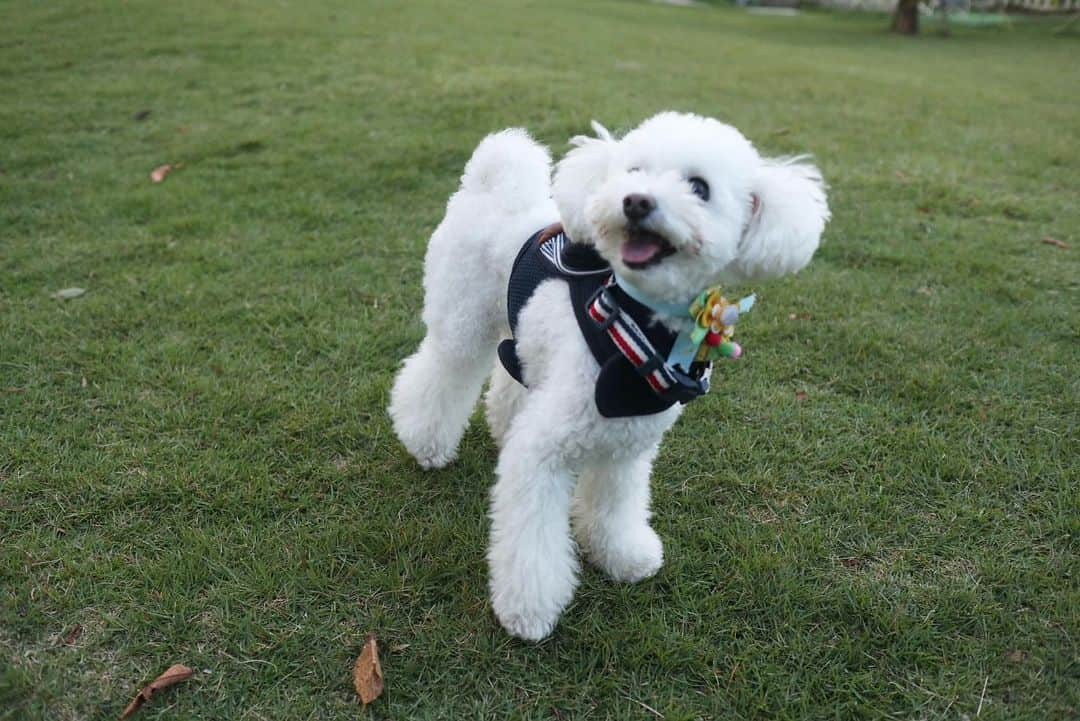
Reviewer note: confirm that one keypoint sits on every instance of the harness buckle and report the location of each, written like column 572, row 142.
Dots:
column 686, row 387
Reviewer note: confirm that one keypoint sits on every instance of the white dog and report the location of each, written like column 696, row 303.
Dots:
column 652, row 219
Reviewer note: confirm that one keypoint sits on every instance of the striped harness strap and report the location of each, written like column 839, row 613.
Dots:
column 669, row 382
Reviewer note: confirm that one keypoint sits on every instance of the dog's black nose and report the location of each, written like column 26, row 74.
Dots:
column 638, row 205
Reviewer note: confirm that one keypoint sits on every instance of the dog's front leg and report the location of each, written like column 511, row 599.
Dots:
column 611, row 517
column 532, row 558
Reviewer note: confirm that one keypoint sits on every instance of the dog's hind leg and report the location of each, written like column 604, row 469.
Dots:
column 611, row 517
column 504, row 197
column 433, row 397
column 437, row 389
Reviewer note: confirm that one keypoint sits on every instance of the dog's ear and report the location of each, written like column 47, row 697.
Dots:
column 787, row 216
column 583, row 168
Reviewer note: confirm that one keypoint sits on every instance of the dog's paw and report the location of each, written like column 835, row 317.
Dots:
column 527, row 627
column 631, row 555
column 431, row 458
column 529, row 607
column 428, row 446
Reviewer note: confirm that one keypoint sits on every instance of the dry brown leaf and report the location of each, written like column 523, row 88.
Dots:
column 1054, row 241
column 73, row 635
column 158, row 174
column 367, row 673
column 174, row 675
column 801, row 395
column 799, row 316
column 901, row 174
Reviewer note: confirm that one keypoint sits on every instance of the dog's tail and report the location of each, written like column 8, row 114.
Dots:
column 510, row 166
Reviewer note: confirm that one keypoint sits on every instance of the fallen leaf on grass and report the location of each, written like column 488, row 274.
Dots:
column 901, row 174
column 73, row 635
column 1054, row 241
column 801, row 395
column 174, row 675
column 68, row 293
column 1016, row 656
column 925, row 290
column 398, row 648
column 14, row 389
column 158, row 174
column 799, row 316
column 367, row 673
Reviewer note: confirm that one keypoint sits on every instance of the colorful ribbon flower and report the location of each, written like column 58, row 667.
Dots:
column 715, row 317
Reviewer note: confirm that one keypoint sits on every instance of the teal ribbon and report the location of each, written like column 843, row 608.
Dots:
column 673, row 309
column 688, row 341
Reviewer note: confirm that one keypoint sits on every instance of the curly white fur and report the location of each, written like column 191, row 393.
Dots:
column 564, row 471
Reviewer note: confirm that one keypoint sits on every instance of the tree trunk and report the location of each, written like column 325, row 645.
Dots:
column 905, row 19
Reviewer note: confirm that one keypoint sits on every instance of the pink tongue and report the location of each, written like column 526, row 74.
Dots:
column 639, row 250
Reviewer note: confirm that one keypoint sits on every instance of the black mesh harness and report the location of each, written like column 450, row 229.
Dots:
column 631, row 350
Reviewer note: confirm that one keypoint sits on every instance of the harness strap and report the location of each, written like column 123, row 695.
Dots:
column 668, row 382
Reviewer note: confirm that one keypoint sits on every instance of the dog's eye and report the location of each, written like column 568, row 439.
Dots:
column 699, row 187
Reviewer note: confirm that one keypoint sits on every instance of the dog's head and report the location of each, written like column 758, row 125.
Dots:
column 683, row 202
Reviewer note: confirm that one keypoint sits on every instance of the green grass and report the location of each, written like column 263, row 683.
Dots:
column 196, row 465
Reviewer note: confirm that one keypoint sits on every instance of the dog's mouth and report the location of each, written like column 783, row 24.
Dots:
column 643, row 248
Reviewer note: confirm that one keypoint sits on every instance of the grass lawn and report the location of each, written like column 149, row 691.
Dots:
column 873, row 515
